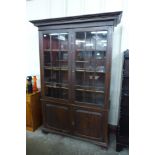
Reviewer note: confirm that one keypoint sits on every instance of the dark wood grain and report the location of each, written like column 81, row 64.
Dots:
column 109, row 16
column 88, row 123
column 67, row 116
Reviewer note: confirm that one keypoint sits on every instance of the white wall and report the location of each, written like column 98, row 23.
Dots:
column 41, row 9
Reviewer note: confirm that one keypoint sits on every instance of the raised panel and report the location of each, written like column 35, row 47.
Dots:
column 57, row 117
column 88, row 124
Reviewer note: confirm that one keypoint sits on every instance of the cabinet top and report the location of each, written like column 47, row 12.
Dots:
column 114, row 17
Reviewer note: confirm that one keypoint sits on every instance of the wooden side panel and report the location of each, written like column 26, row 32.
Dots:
column 88, row 124
column 28, row 115
column 33, row 111
column 56, row 117
column 36, row 110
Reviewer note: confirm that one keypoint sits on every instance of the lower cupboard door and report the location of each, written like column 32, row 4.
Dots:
column 56, row 117
column 88, row 124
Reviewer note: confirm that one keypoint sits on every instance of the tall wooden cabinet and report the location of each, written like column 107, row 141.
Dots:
column 75, row 63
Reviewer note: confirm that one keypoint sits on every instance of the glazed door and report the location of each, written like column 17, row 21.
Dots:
column 56, row 64
column 89, row 66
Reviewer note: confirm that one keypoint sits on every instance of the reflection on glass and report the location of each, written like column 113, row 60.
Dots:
column 100, row 66
column 80, row 40
column 101, row 40
column 63, row 55
column 63, row 38
column 100, row 55
column 99, row 79
column 89, row 81
column 90, row 41
column 54, row 41
column 46, row 41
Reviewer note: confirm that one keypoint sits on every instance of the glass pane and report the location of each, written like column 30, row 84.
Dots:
column 90, row 68
column 63, row 59
column 64, row 65
column 63, row 38
column 99, row 98
column 55, row 92
column 100, row 55
column 80, row 40
column 89, row 80
column 63, row 55
column 48, row 91
column 99, row 81
column 101, row 40
column 52, row 91
column 100, row 66
column 63, row 77
column 90, row 40
column 46, row 41
column 79, row 96
column 47, row 59
column 55, row 41
column 79, row 78
column 85, row 60
column 47, row 75
column 55, row 58
column 89, row 97
column 55, row 77
column 64, row 93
